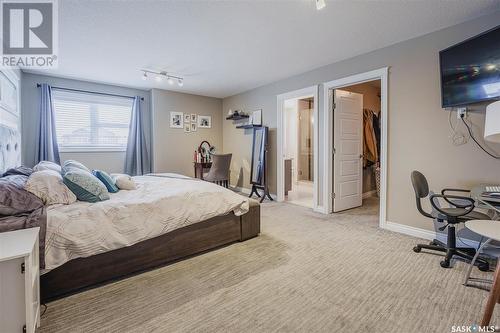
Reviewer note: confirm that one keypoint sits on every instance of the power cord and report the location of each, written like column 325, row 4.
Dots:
column 469, row 129
column 44, row 309
column 457, row 138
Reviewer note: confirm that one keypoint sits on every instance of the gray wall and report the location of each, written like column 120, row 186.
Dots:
column 174, row 149
column 109, row 161
column 418, row 131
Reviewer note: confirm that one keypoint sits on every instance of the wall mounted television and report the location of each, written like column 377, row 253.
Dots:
column 470, row 70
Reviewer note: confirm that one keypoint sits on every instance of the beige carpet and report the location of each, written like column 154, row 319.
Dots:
column 306, row 273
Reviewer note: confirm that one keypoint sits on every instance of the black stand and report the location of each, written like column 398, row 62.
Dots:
column 264, row 195
column 262, row 183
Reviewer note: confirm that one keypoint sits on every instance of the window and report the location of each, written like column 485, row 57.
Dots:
column 91, row 122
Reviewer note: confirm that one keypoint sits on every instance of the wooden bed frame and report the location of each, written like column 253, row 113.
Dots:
column 84, row 273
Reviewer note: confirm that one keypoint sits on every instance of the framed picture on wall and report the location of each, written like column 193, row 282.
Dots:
column 204, row 121
column 256, row 117
column 194, row 127
column 187, row 117
column 187, row 128
column 194, row 117
column 176, row 119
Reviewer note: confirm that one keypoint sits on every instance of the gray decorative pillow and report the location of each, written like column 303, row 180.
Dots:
column 72, row 164
column 47, row 165
column 14, row 199
column 85, row 185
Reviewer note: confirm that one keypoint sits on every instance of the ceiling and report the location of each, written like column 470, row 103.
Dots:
column 225, row 47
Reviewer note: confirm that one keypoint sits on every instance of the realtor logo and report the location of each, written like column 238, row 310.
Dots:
column 29, row 33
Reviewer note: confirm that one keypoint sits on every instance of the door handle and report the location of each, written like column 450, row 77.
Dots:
column 360, row 155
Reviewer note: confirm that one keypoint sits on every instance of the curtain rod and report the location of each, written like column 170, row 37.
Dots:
column 90, row 92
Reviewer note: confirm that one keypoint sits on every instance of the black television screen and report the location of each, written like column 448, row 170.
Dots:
column 470, row 71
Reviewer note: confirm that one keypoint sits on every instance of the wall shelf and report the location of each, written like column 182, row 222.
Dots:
column 238, row 117
column 248, row 126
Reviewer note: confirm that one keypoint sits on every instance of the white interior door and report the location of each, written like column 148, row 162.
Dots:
column 348, row 150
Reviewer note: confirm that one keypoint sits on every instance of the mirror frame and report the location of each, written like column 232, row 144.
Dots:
column 265, row 133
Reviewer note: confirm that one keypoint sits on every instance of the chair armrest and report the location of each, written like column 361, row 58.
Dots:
column 443, row 192
column 436, row 207
column 456, row 204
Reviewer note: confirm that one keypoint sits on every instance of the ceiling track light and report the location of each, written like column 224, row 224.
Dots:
column 320, row 4
column 159, row 76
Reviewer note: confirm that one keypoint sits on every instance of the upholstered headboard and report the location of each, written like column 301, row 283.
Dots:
column 10, row 148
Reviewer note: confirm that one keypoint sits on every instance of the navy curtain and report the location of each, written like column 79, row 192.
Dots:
column 47, row 148
column 137, row 161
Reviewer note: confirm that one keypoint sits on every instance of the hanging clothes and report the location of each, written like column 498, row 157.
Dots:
column 370, row 151
column 376, row 129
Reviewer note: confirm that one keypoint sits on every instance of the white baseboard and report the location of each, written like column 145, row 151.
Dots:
column 369, row 194
column 427, row 234
column 410, row 231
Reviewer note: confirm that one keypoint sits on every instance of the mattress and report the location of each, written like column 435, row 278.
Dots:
column 160, row 204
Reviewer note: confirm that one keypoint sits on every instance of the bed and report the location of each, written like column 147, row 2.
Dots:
column 174, row 217
column 168, row 218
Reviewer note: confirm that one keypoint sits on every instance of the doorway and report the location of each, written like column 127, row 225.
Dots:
column 299, row 151
column 355, row 122
column 297, row 147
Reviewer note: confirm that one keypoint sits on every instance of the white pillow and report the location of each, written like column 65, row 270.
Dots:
column 47, row 165
column 123, row 181
column 49, row 187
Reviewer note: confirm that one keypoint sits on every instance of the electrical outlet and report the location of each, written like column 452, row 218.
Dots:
column 460, row 112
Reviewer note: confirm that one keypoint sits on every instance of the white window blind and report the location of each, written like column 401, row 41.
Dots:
column 91, row 122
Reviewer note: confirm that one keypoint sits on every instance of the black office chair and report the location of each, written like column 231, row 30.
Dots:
column 462, row 210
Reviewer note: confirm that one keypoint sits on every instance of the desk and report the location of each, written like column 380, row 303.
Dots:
column 199, row 167
column 490, row 230
column 485, row 202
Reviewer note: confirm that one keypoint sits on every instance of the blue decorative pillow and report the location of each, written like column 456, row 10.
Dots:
column 85, row 185
column 106, row 180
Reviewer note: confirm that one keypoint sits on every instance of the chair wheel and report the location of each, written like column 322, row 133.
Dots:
column 445, row 263
column 484, row 267
column 417, row 249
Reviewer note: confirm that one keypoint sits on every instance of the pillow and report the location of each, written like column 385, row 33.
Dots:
column 14, row 199
column 106, row 180
column 85, row 186
column 49, row 187
column 21, row 170
column 72, row 164
column 47, row 165
column 124, row 182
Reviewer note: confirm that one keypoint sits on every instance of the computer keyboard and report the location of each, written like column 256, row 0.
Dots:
column 492, row 189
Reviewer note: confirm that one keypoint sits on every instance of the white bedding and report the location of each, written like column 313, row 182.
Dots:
column 159, row 205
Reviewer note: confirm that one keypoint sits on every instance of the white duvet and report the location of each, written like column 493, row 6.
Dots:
column 159, row 205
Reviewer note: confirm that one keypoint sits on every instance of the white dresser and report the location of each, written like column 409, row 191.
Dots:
column 19, row 281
